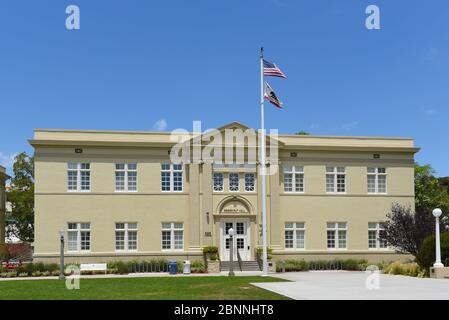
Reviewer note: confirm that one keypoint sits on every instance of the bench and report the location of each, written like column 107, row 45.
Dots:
column 93, row 267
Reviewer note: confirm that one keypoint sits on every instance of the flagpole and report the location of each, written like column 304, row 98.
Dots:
column 263, row 170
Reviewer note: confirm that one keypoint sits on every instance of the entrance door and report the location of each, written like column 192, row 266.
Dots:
column 241, row 239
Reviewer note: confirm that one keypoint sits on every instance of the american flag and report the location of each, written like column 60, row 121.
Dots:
column 270, row 69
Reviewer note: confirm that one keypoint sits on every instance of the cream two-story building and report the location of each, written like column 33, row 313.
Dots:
column 118, row 196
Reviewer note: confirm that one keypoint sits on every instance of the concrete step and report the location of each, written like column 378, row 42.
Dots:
column 245, row 266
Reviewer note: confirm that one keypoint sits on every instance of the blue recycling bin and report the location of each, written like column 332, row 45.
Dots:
column 172, row 267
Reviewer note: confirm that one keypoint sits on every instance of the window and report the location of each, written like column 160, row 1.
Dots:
column 171, row 177
column 335, row 179
column 234, row 182
column 295, row 235
column 126, row 236
column 293, row 179
column 126, row 177
column 374, row 232
column 78, row 237
column 377, row 180
column 172, row 236
column 78, row 176
column 250, row 182
column 218, row 182
column 336, row 235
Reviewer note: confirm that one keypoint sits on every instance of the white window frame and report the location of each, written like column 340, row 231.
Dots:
column 238, row 181
column 221, row 174
column 126, row 231
column 336, row 229
column 254, row 182
column 376, row 175
column 296, row 227
column 172, row 169
column 78, row 171
column 172, row 230
column 335, row 173
column 294, row 171
column 78, row 231
column 378, row 228
column 126, row 170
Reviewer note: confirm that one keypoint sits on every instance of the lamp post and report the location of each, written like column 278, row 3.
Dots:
column 61, row 256
column 231, row 252
column 437, row 213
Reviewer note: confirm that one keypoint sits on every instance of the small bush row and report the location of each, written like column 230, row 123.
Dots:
column 116, row 267
column 302, row 265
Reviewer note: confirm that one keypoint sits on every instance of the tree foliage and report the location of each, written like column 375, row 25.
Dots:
column 426, row 255
column 302, row 133
column 405, row 228
column 21, row 196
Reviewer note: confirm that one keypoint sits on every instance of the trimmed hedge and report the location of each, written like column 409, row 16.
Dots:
column 302, row 265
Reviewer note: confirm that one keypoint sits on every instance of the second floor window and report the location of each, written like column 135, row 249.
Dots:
column 218, row 181
column 335, row 179
column 293, row 179
column 126, row 236
column 126, row 177
column 78, row 236
column 234, row 182
column 250, row 185
column 171, row 177
column 78, row 176
column 377, row 180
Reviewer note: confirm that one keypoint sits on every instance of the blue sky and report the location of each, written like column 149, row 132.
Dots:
column 144, row 65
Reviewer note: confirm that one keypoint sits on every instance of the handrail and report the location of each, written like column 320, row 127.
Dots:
column 239, row 259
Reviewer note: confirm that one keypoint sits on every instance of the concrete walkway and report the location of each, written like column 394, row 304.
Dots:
column 352, row 286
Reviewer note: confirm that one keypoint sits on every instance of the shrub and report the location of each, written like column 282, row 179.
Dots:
column 197, row 267
column 120, row 266
column 36, row 274
column 211, row 252
column 23, row 274
column 55, row 273
column 259, row 252
column 426, row 253
column 292, row 265
column 406, row 269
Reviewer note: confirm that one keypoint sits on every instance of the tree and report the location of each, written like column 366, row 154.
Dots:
column 21, row 196
column 302, row 133
column 429, row 192
column 406, row 229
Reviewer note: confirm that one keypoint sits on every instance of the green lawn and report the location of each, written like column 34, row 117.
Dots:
column 191, row 288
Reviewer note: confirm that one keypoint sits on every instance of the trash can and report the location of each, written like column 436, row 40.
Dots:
column 172, row 267
column 186, row 267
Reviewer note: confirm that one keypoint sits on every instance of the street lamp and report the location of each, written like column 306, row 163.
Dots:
column 437, row 213
column 61, row 256
column 231, row 252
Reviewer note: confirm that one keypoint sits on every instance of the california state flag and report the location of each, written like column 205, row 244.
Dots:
column 271, row 96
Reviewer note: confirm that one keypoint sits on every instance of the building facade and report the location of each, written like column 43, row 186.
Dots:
column 3, row 178
column 118, row 196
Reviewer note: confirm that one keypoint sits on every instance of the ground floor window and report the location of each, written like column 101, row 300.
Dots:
column 126, row 236
column 336, row 235
column 78, row 236
column 172, row 236
column 294, row 235
column 374, row 232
